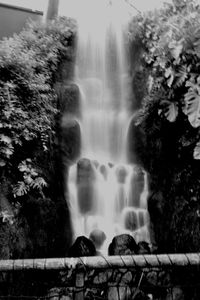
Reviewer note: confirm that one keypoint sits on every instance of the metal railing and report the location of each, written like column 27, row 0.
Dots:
column 137, row 277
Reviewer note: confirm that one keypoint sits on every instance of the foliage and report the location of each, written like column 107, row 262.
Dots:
column 28, row 102
column 29, row 114
column 171, row 41
column 168, row 125
column 31, row 180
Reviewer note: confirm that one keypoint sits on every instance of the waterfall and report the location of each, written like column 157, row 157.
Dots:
column 107, row 195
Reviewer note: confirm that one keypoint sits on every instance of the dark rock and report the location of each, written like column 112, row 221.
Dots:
column 176, row 293
column 103, row 171
column 71, row 99
column 123, row 244
column 86, row 188
column 136, row 140
column 66, row 69
column 85, row 170
column 82, row 247
column 156, row 204
column 70, row 139
column 137, row 186
column 143, row 248
column 98, row 237
column 142, row 218
column 121, row 173
column 131, row 219
column 95, row 163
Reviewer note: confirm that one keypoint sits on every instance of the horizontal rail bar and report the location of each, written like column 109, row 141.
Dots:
column 102, row 262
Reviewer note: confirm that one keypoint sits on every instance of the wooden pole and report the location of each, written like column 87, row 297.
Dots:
column 103, row 262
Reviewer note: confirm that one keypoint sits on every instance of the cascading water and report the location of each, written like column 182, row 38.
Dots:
column 107, row 194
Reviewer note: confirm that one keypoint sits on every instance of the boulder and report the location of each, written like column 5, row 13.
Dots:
column 123, row 244
column 82, row 247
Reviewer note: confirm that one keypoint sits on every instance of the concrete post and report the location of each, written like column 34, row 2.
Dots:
column 52, row 10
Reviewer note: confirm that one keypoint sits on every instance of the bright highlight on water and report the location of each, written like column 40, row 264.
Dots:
column 107, row 194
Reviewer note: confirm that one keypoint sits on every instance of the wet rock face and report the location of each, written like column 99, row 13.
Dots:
column 137, row 187
column 136, row 142
column 70, row 126
column 98, row 237
column 70, row 95
column 85, row 170
column 121, row 173
column 82, row 247
column 70, row 139
column 131, row 220
column 85, row 184
column 123, row 244
column 103, row 171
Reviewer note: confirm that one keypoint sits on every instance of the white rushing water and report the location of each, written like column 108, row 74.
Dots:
column 107, row 194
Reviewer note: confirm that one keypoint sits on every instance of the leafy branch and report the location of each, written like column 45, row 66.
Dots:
column 31, row 180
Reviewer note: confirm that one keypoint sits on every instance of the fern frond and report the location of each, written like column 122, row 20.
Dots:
column 20, row 189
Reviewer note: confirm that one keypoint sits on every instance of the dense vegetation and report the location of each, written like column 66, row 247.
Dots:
column 167, row 128
column 31, row 199
column 165, row 49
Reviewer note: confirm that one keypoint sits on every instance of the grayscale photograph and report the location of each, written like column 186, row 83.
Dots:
column 100, row 149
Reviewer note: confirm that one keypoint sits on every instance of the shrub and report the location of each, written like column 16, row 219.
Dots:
column 29, row 109
column 170, row 120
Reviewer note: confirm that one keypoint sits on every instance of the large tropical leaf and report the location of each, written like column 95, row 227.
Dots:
column 196, row 153
column 38, row 183
column 181, row 76
column 192, row 104
column 170, row 110
column 5, row 139
column 20, row 189
column 176, row 48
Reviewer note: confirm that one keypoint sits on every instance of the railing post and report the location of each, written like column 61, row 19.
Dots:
column 79, row 287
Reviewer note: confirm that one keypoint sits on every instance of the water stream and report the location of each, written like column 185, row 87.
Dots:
column 107, row 194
